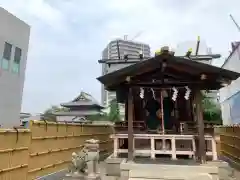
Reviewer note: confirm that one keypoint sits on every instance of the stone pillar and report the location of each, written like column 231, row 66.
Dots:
column 92, row 146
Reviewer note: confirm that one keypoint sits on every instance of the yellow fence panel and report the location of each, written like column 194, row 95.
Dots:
column 53, row 144
column 14, row 153
column 229, row 144
column 46, row 147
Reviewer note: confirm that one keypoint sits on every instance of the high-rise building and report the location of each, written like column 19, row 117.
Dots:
column 14, row 40
column 126, row 47
column 183, row 47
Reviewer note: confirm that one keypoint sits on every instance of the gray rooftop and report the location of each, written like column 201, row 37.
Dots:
column 77, row 113
column 84, row 99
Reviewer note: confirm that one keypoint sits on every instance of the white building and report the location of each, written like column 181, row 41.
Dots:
column 126, row 47
column 183, row 47
column 14, row 40
column 230, row 95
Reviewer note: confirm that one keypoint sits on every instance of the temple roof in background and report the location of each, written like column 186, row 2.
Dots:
column 84, row 99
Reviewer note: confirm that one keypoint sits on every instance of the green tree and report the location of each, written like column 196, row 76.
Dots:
column 114, row 114
column 211, row 110
column 49, row 113
column 98, row 117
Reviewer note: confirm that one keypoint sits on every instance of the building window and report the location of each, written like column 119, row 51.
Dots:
column 17, row 60
column 6, row 56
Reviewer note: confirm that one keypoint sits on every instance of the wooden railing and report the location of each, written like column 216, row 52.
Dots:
column 137, row 125
column 174, row 149
column 187, row 126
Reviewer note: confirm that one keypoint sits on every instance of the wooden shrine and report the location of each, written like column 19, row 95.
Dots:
column 161, row 95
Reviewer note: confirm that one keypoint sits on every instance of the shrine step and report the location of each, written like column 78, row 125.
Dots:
column 143, row 179
column 167, row 175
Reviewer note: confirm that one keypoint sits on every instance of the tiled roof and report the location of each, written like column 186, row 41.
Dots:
column 84, row 99
column 77, row 113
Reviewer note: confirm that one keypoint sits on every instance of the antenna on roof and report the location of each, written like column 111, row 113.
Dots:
column 118, row 51
column 198, row 44
column 137, row 35
column 236, row 24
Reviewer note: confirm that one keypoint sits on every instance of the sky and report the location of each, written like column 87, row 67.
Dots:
column 68, row 36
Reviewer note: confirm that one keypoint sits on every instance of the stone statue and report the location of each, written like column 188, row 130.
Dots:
column 79, row 163
column 92, row 146
column 85, row 163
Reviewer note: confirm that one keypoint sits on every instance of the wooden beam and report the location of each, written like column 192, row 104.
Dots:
column 194, row 74
column 157, row 78
column 179, row 67
column 177, row 73
column 126, row 109
column 200, row 123
column 202, row 86
column 148, row 75
column 168, row 83
column 181, row 74
column 130, row 124
column 136, row 60
column 157, row 74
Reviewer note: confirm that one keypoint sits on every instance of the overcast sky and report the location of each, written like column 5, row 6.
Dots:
column 67, row 37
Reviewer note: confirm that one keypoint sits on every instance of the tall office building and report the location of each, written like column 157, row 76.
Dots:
column 126, row 47
column 183, row 47
column 14, row 40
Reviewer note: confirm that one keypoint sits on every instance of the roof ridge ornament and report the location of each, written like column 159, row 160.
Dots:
column 128, row 78
column 165, row 50
column 189, row 52
column 82, row 97
column 203, row 77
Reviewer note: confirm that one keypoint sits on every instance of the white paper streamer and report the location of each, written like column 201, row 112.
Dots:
column 187, row 94
column 175, row 94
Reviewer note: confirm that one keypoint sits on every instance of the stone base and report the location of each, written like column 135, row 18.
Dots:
column 210, row 171
column 97, row 177
column 113, row 166
column 82, row 177
column 75, row 176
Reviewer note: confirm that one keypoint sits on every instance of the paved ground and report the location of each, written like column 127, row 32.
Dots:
column 237, row 175
column 56, row 176
column 61, row 175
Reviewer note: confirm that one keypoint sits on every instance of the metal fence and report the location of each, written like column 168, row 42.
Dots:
column 46, row 147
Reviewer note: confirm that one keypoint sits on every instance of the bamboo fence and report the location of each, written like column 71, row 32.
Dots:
column 14, row 148
column 46, row 147
column 229, row 143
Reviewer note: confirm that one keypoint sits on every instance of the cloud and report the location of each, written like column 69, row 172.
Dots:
column 67, row 37
column 37, row 10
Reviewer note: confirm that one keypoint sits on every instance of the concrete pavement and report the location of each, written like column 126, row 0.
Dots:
column 60, row 175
